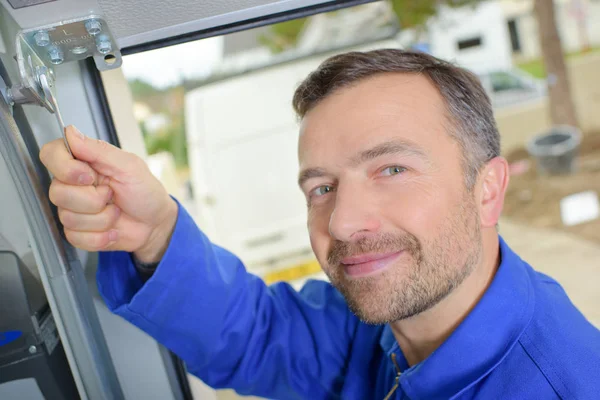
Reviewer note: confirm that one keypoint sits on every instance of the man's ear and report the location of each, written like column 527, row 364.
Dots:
column 493, row 183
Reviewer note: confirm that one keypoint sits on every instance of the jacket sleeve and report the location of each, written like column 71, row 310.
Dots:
column 230, row 329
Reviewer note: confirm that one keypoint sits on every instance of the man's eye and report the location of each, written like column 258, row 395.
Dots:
column 322, row 190
column 395, row 170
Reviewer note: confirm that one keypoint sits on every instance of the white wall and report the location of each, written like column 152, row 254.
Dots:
column 242, row 137
column 487, row 22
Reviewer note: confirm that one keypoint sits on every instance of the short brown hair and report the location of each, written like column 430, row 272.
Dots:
column 470, row 112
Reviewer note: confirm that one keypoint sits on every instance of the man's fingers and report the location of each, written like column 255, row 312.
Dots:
column 80, row 199
column 105, row 158
column 93, row 241
column 55, row 156
column 103, row 221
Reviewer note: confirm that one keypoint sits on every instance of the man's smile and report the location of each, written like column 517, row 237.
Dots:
column 368, row 264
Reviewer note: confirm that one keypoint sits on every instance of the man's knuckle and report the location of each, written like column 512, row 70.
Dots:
column 44, row 154
column 65, row 217
column 104, row 145
column 99, row 241
column 134, row 164
column 71, row 175
column 108, row 220
column 53, row 193
column 72, row 237
column 99, row 204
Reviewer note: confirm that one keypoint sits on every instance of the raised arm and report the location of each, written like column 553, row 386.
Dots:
column 226, row 324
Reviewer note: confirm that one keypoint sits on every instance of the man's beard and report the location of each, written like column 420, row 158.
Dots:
column 424, row 274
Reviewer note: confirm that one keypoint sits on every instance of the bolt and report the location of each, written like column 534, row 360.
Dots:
column 32, row 349
column 93, row 26
column 36, row 76
column 43, row 70
column 6, row 92
column 104, row 45
column 78, row 50
column 42, row 38
column 56, row 55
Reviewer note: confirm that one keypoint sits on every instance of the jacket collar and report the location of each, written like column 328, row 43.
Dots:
column 479, row 343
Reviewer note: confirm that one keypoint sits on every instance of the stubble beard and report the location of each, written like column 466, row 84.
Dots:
column 424, row 275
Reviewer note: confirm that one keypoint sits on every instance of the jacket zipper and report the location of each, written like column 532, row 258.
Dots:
column 396, row 379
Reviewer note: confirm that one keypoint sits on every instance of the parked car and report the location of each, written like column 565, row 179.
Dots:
column 512, row 87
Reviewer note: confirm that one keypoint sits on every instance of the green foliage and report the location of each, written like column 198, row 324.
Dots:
column 415, row 13
column 158, row 143
column 284, row 35
column 537, row 69
column 534, row 68
column 171, row 140
column 166, row 101
column 179, row 142
column 141, row 89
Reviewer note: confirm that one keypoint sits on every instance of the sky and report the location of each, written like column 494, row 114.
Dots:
column 164, row 67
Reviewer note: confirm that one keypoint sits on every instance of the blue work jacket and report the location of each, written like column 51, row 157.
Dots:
column 523, row 340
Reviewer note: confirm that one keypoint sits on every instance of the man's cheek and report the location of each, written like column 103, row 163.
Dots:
column 316, row 240
column 318, row 221
column 420, row 208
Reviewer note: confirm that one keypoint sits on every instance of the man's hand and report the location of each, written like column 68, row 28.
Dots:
column 107, row 198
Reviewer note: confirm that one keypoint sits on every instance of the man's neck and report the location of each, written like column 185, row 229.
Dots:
column 420, row 335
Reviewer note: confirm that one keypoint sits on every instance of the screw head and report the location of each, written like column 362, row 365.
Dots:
column 42, row 38
column 78, row 50
column 39, row 70
column 93, row 26
column 32, row 349
column 56, row 56
column 42, row 69
column 104, row 45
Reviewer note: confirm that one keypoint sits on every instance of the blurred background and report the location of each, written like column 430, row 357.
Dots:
column 220, row 132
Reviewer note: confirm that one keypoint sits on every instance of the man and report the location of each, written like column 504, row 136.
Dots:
column 400, row 166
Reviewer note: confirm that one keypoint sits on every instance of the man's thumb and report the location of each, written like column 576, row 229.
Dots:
column 103, row 157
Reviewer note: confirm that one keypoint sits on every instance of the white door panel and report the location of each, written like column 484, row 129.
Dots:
column 135, row 22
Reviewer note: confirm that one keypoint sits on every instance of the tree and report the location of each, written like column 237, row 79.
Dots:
column 562, row 110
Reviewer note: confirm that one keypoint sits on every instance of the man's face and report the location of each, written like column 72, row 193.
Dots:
column 389, row 216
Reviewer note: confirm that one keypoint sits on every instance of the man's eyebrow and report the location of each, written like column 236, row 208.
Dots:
column 396, row 146
column 309, row 174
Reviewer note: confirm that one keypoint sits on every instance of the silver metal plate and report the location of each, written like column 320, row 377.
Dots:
column 29, row 64
column 74, row 40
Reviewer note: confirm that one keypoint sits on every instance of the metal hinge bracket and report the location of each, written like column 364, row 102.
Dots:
column 40, row 49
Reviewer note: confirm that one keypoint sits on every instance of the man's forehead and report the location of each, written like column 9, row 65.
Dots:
column 380, row 108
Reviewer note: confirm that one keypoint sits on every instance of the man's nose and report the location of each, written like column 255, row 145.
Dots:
column 354, row 215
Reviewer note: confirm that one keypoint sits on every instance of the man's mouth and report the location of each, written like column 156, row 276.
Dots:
column 368, row 264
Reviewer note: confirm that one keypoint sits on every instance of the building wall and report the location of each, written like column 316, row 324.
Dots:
column 485, row 25
column 568, row 24
column 519, row 124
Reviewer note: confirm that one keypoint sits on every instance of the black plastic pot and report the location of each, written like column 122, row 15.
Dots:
column 555, row 151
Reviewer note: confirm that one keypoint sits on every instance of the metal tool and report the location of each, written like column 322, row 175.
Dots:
column 45, row 84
